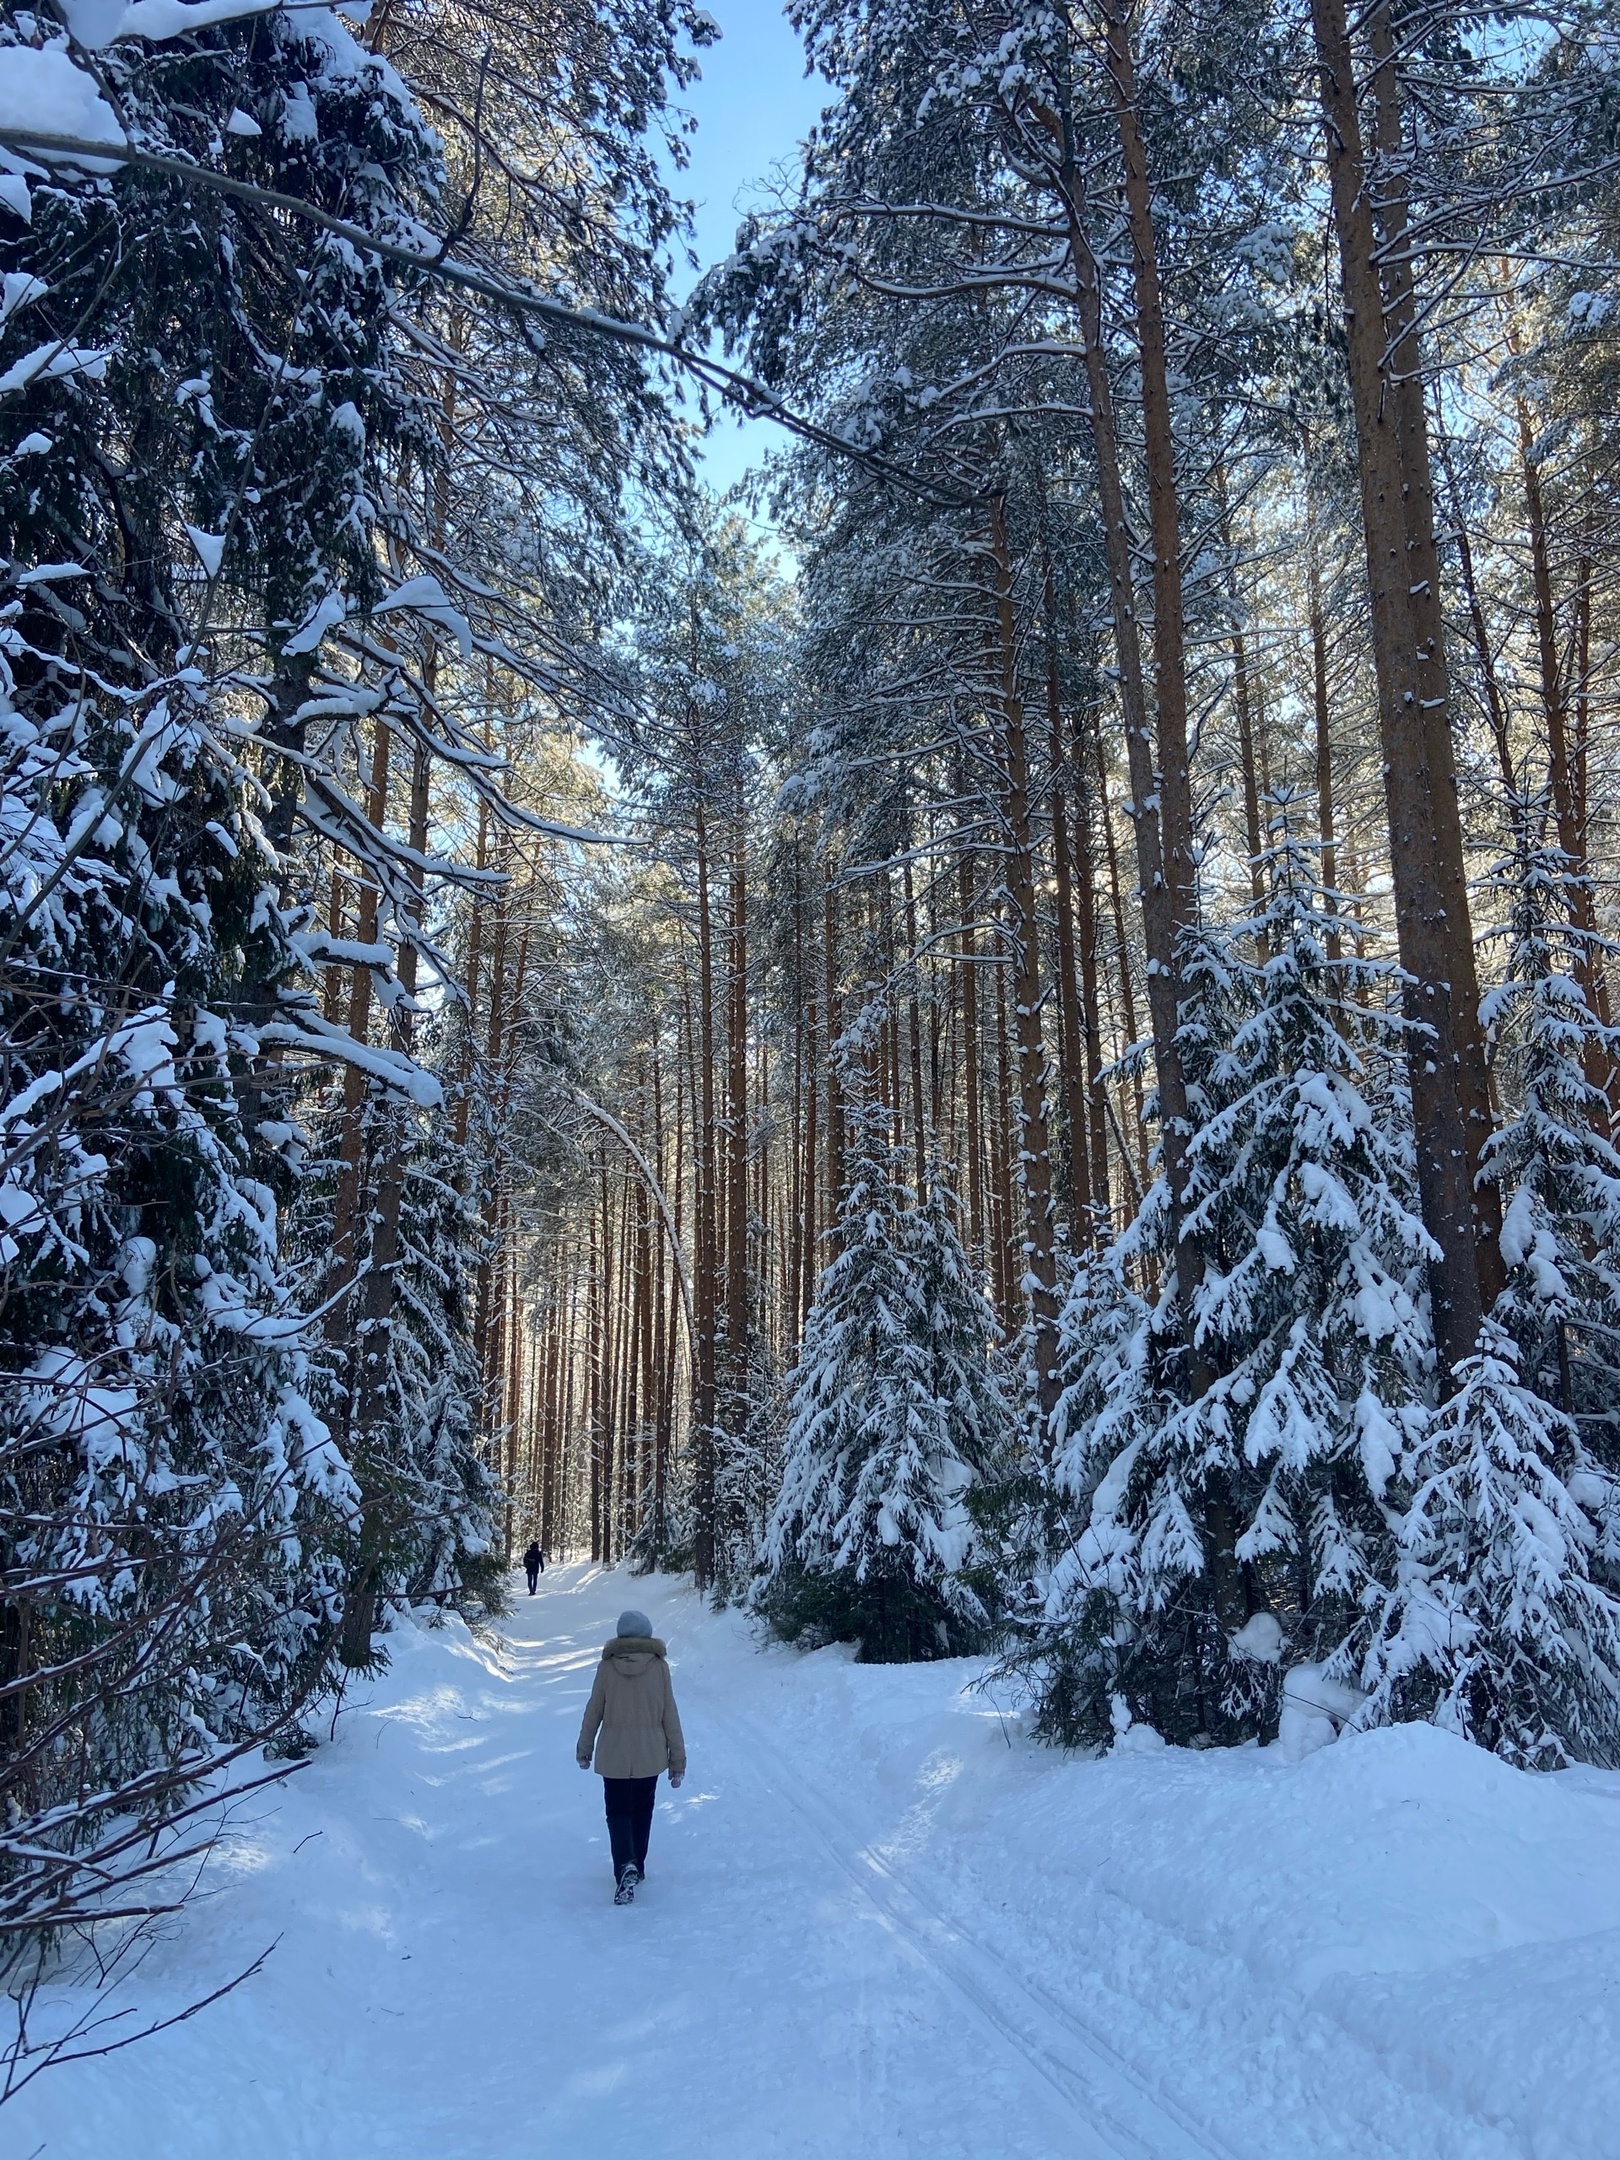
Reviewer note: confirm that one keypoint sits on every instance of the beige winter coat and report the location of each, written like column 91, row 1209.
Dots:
column 631, row 1719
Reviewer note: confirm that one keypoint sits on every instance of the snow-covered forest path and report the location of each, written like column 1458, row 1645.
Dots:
column 877, row 1921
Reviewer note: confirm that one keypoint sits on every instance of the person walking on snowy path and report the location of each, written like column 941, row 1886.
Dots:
column 633, row 1726
column 533, row 1562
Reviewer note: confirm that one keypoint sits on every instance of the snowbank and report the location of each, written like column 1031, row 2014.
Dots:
column 1398, row 1940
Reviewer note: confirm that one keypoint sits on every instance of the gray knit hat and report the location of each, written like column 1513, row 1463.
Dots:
column 635, row 1623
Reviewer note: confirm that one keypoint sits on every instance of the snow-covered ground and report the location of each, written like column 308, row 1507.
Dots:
column 878, row 1922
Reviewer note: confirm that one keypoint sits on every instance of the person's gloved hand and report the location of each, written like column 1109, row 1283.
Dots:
column 675, row 1777
column 584, row 1761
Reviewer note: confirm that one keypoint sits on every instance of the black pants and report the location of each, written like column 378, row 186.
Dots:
column 534, row 1577
column 629, row 1802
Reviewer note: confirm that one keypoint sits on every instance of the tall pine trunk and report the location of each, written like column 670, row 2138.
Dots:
column 1036, row 1282
column 1071, row 1023
column 1450, row 1094
column 707, row 1286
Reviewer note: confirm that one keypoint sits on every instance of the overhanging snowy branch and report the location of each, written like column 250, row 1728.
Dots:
column 756, row 398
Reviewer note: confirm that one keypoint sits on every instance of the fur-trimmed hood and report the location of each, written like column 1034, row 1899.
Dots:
column 636, row 1646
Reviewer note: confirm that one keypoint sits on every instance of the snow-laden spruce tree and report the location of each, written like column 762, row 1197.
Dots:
column 397, row 1376
column 447, row 1498
column 1492, row 1624
column 895, row 1410
column 1440, row 1549
column 1275, row 1441
column 1497, row 1616
column 1552, row 1157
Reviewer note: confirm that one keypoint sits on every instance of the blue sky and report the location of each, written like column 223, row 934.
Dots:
column 752, row 106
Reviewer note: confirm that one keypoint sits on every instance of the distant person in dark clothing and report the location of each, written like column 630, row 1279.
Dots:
column 533, row 1561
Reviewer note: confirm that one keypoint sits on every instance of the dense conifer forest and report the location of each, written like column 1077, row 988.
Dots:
column 1006, row 1043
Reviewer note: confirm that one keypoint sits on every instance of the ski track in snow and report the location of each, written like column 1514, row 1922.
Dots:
column 1086, row 2073
column 877, row 1923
